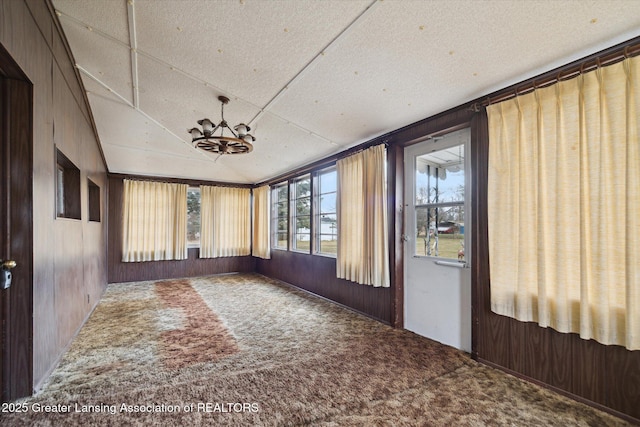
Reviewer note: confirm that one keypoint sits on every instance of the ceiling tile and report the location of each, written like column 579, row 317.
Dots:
column 107, row 60
column 107, row 16
column 318, row 76
column 178, row 102
column 121, row 125
column 251, row 49
column 409, row 60
column 279, row 147
column 158, row 164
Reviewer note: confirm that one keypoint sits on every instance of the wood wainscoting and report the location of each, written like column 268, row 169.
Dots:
column 317, row 274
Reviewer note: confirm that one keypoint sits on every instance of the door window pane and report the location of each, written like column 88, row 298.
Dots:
column 440, row 232
column 439, row 203
column 440, row 176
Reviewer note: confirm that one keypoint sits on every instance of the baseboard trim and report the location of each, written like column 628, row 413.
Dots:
column 38, row 386
column 308, row 292
column 558, row 390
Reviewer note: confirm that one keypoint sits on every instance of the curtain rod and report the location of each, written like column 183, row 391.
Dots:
column 604, row 58
column 169, row 180
column 324, row 163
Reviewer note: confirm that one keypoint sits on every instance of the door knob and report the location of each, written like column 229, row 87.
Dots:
column 8, row 264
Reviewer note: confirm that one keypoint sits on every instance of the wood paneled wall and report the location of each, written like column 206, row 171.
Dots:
column 604, row 375
column 119, row 271
column 69, row 271
column 317, row 274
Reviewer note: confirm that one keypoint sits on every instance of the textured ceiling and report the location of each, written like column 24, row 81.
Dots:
column 311, row 77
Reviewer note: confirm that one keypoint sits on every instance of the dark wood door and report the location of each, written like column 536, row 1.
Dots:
column 3, row 233
column 16, row 236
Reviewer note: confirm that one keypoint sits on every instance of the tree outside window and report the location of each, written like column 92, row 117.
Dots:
column 193, row 217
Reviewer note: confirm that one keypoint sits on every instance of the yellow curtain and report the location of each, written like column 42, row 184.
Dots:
column 564, row 205
column 154, row 221
column 225, row 221
column 261, row 209
column 363, row 252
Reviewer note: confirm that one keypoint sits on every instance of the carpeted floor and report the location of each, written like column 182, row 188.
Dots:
column 245, row 350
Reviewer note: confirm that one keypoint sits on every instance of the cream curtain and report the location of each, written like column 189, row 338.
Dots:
column 261, row 222
column 225, row 221
column 564, row 206
column 363, row 252
column 154, row 221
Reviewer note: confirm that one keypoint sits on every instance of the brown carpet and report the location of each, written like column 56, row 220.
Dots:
column 246, row 350
column 203, row 338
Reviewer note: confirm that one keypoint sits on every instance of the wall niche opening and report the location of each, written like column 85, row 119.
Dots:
column 94, row 201
column 67, row 188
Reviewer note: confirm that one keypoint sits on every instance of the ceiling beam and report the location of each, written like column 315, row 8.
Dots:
column 133, row 46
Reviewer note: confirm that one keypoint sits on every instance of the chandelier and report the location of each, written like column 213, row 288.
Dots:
column 239, row 142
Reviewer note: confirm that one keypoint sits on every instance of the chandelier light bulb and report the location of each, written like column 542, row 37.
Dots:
column 207, row 126
column 242, row 130
column 195, row 133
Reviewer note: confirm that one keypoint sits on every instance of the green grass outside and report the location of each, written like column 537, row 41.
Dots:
column 448, row 246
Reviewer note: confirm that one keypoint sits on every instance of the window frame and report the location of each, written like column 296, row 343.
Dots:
column 294, row 215
column 318, row 213
column 287, row 204
column 275, row 218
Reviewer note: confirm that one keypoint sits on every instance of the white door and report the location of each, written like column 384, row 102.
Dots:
column 437, row 295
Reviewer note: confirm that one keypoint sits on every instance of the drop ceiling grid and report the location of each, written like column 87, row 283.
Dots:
column 428, row 57
column 251, row 48
column 379, row 77
column 400, row 62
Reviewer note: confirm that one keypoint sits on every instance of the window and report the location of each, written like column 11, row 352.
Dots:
column 325, row 221
column 193, row 217
column 280, row 216
column 439, row 204
column 301, row 213
column 304, row 215
column 67, row 188
column 94, row 201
